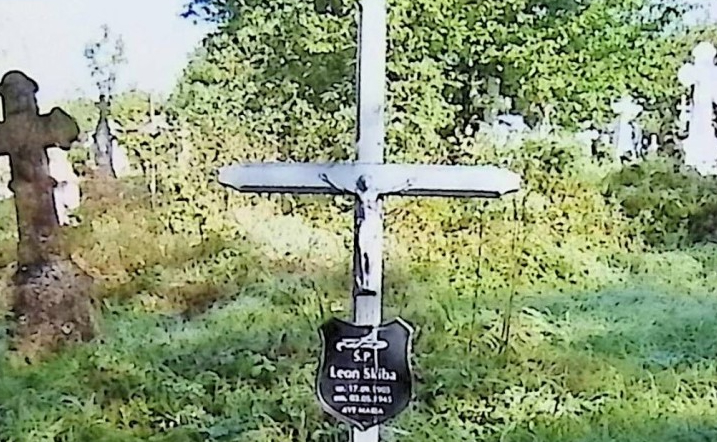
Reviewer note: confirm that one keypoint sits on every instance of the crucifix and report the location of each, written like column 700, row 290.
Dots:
column 369, row 180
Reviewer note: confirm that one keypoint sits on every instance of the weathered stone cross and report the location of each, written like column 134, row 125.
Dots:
column 102, row 146
column 51, row 302
column 370, row 179
column 24, row 136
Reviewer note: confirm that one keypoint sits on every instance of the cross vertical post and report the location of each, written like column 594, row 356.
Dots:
column 368, row 211
column 368, row 221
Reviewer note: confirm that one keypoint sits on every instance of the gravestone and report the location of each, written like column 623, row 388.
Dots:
column 52, row 304
column 513, row 122
column 546, row 127
column 700, row 147
column 653, row 145
column 184, row 147
column 369, row 180
column 119, row 160
column 627, row 135
column 5, row 192
column 67, row 190
column 495, row 103
column 588, row 137
column 508, row 129
column 156, row 125
column 102, row 146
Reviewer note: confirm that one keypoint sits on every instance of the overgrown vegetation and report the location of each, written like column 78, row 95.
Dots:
column 212, row 299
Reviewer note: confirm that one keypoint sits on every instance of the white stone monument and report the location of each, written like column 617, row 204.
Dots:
column 587, row 137
column 67, row 189
column 495, row 103
column 700, row 147
column 546, row 126
column 507, row 130
column 118, row 159
column 653, row 146
column 5, row 192
column 627, row 136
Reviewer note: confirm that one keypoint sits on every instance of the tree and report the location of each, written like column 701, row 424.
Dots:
column 577, row 55
column 277, row 80
column 104, row 58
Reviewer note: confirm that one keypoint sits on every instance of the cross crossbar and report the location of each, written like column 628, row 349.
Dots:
column 396, row 179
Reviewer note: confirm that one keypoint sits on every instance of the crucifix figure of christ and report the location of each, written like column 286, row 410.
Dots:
column 370, row 179
column 51, row 302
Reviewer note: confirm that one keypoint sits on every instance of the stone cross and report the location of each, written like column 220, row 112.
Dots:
column 627, row 134
column 24, row 137
column 701, row 144
column 369, row 179
column 103, row 140
column 51, row 302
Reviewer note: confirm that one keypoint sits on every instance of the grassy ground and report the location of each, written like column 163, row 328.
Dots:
column 624, row 365
column 218, row 342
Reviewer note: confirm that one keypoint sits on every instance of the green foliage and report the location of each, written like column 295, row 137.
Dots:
column 283, row 76
column 129, row 110
column 669, row 204
column 215, row 339
column 84, row 111
column 631, row 361
column 578, row 57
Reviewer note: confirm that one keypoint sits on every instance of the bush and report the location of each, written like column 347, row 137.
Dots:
column 668, row 204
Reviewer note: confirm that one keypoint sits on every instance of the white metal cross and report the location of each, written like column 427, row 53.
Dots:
column 370, row 179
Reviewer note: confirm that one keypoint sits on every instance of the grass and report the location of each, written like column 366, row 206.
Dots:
column 624, row 365
column 217, row 341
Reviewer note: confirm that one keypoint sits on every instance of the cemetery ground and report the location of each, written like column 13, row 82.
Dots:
column 218, row 341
